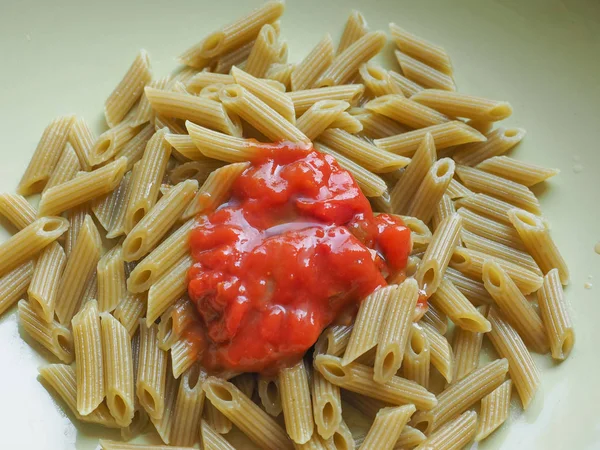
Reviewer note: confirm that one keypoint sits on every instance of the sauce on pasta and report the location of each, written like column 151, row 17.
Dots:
column 295, row 249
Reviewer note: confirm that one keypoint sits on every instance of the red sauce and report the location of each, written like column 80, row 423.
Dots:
column 295, row 248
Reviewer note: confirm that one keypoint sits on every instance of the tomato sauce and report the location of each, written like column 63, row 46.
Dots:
column 296, row 248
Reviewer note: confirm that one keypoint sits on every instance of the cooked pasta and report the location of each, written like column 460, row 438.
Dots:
column 204, row 79
column 270, row 395
column 409, row 87
column 265, row 51
column 211, row 440
column 494, row 410
column 466, row 348
column 327, row 405
column 487, row 206
column 188, row 407
column 356, row 27
column 461, row 105
column 405, row 111
column 320, row 116
column 378, row 80
column 313, row 65
column 279, row 75
column 130, row 311
column 152, row 372
column 112, row 141
column 174, row 321
column 482, row 227
column 436, row 318
column 17, row 210
column 111, row 279
column 387, row 427
column 430, row 191
column 110, row 209
column 458, row 308
column 347, row 122
column 66, row 168
column 304, row 99
column 133, row 150
column 143, row 112
column 82, row 140
column 417, row 357
column 424, row 75
column 164, row 424
column 43, row 289
column 237, row 57
column 296, row 402
column 472, row 289
column 376, row 126
column 499, row 141
column 215, row 418
column 457, row 190
column 516, row 170
column 456, row 434
column 183, row 144
column 442, row 357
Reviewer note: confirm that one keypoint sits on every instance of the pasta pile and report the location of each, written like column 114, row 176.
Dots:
column 113, row 320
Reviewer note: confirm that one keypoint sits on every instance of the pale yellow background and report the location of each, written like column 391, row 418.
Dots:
column 65, row 56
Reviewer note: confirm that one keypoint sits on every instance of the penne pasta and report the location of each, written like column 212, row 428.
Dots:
column 485, row 228
column 237, row 57
column 458, row 308
column 66, row 168
column 347, row 122
column 431, row 190
column 427, row 52
column 296, row 402
column 378, row 80
column 494, row 410
column 183, row 144
column 152, row 373
column 356, row 27
column 456, row 434
column 456, row 190
column 279, row 75
column 188, row 407
column 424, row 75
column 82, row 140
column 112, row 142
column 376, row 126
column 216, row 419
column 270, row 395
column 417, row 357
column 112, row 287
column 406, row 112
column 143, row 112
column 174, row 322
column 487, row 206
column 334, row 340
column 265, row 52
column 304, row 99
column 409, row 438
column 211, row 440
column 466, row 348
column 442, row 357
column 306, row 73
column 320, row 116
column 205, row 79
column 436, row 318
column 515, row 170
column 43, row 289
column 327, row 406
column 110, row 210
column 245, row 382
column 133, row 150
column 129, row 312
column 387, row 427
column 409, row 87
column 220, row 146
column 17, row 210
column 499, row 141
column 164, row 424
column 114, row 445
column 472, row 289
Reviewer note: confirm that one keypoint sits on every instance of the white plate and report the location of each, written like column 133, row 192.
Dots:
column 66, row 56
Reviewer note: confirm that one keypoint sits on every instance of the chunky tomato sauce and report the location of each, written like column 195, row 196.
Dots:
column 295, row 249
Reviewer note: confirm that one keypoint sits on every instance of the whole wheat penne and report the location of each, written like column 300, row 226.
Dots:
column 499, row 141
column 130, row 311
column 442, row 357
column 188, row 407
column 233, row 35
column 395, row 331
column 358, row 378
column 405, row 111
column 457, row 190
column 79, row 269
column 82, row 188
column 173, row 125
column 334, row 340
column 174, row 321
column 247, row 416
column 204, row 79
column 376, row 126
column 431, row 190
column 211, row 440
column 30, row 241
column 129, row 89
column 111, row 279
column 43, row 289
column 258, row 114
column 458, row 308
column 183, row 355
column 494, row 410
column 66, row 168
column 167, row 289
column 378, row 80
column 417, row 357
column 313, row 65
column 56, row 338
column 427, row 52
column 424, row 75
column 17, row 210
column 347, row 122
column 112, row 141
column 164, row 424
column 355, row 28
column 368, row 406
column 320, row 116
column 535, row 233
column 279, row 76
column 523, row 370
column 183, row 144
column 437, row 256
column 436, row 318
column 133, row 150
column 459, row 396
column 143, row 112
column 327, row 405
column 521, row 172
column 221, row 147
column 152, row 372
column 409, row 87
column 470, row 263
column 87, row 342
column 490, row 229
column 137, row 426
column 237, row 57
column 454, row 435
column 420, row 234
column 245, row 382
column 82, row 140
column 444, row 135
column 265, row 51
column 444, row 208
column 270, row 395
column 361, row 151
column 370, row 184
column 304, row 99
column 514, row 305
column 46, row 156
column 387, row 427
column 296, row 402
column 487, row 206
column 409, row 438
column 466, row 348
column 555, row 316
column 110, row 209
column 472, row 289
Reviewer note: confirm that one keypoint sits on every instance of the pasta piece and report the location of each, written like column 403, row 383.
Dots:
column 483, row 227
column 167, row 289
column 454, row 435
column 409, row 87
column 327, row 405
column 516, row 170
column 436, row 318
column 133, row 150
column 422, row 74
column 112, row 142
column 161, row 259
column 409, row 182
column 76, row 217
column 369, row 322
column 137, row 426
column 80, row 267
column 258, row 114
column 270, row 395
column 342, row 438
column 387, row 427
column 358, row 378
column 417, row 357
column 356, row 27
column 91, row 290
column 216, row 419
column 211, row 440
column 66, row 168
column 535, row 233
column 320, row 116
column 456, row 190
column 247, row 416
column 555, row 316
column 146, row 178
column 111, row 279
column 82, row 188
column 129, row 312
column 370, row 184
column 220, row 146
column 174, row 321
column 143, row 112
column 499, row 141
column 437, row 256
column 395, row 331
column 514, row 305
column 245, row 382
column 204, row 79
column 523, row 370
column 188, row 407
column 376, row 126
column 183, row 144
column 456, row 306
column 442, row 357
column 30, row 241
column 472, row 289
column 265, row 52
column 466, row 348
column 419, row 232
column 487, row 206
column 405, row 111
column 62, row 379
column 183, row 355
column 215, row 190
column 172, row 124
column 149, row 231
column 494, row 410
column 237, row 57
column 118, row 369
column 316, row 442
column 129, row 89
column 348, row 123
column 361, row 151
column 46, row 156
column 232, row 36
column 296, row 402
column 54, row 337
column 334, row 340
column 87, row 342
column 152, row 372
column 444, row 135
column 279, row 75
column 444, row 208
column 427, row 52
column 304, row 99
column 461, row 105
column 201, row 110
column 43, row 289
column 306, row 73
column 459, row 396
column 17, row 210
column 277, row 100
column 409, row 438
column 110, row 209
column 431, row 190
column 378, row 80
column 164, row 424
column 82, row 140
column 345, row 65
